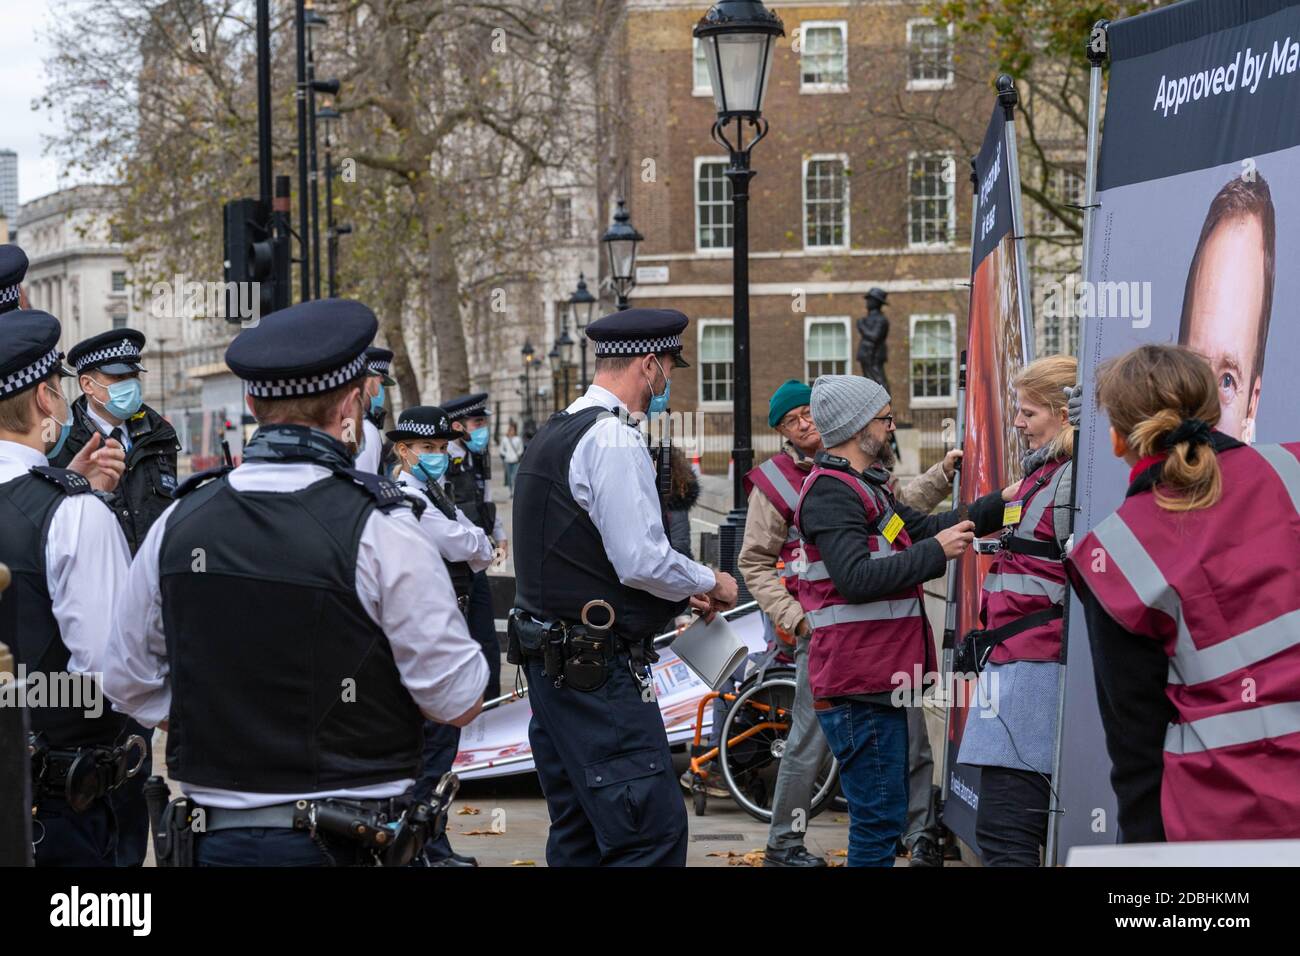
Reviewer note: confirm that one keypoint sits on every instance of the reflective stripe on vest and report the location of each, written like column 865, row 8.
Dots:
column 1038, row 504
column 872, row 611
column 1029, row 585
column 1190, row 664
column 1236, row 727
column 772, row 472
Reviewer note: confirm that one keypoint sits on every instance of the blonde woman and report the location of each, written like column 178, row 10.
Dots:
column 1012, row 731
column 1191, row 592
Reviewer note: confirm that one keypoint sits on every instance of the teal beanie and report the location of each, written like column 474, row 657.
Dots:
column 790, row 395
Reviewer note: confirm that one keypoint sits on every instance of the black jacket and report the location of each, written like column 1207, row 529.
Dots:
column 149, row 483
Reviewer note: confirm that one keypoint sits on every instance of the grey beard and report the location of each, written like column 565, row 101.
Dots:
column 882, row 452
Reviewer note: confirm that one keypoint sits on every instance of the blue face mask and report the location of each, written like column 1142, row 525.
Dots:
column 124, row 398
column 64, row 430
column 659, row 403
column 377, row 401
column 478, row 439
column 431, row 467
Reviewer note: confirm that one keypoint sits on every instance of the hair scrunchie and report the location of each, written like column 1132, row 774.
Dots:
column 1191, row 430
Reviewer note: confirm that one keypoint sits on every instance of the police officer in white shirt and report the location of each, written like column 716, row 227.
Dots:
column 371, row 458
column 590, row 541
column 420, row 446
column 288, row 622
column 68, row 559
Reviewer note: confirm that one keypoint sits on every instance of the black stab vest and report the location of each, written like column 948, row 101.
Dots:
column 281, row 682
column 27, row 622
column 560, row 558
column 466, row 477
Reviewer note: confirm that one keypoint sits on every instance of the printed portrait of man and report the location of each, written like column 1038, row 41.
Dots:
column 1229, row 297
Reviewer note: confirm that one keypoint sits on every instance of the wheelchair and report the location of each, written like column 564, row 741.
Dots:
column 752, row 739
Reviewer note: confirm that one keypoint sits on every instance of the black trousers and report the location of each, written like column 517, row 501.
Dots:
column 441, row 743
column 1011, row 822
column 603, row 761
column 483, row 628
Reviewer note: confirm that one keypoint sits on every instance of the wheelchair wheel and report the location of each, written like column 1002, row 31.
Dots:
column 753, row 738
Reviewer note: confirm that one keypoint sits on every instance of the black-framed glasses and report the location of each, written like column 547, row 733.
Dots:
column 887, row 419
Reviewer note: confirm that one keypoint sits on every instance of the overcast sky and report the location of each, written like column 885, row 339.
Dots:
column 21, row 80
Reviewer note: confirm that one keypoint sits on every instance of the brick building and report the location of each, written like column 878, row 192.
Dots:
column 852, row 191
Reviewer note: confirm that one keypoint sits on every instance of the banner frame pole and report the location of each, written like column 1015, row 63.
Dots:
column 1009, row 98
column 1096, row 52
column 950, row 596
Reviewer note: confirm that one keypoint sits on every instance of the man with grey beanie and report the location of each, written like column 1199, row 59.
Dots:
column 867, row 556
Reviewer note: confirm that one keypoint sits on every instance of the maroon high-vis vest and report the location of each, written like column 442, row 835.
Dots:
column 1019, row 584
column 780, row 480
column 859, row 648
column 1219, row 589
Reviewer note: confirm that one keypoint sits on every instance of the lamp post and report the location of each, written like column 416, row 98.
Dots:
column 528, row 356
column 620, row 241
column 553, row 363
column 315, row 23
column 581, row 304
column 329, row 116
column 300, row 96
column 738, row 38
column 565, row 345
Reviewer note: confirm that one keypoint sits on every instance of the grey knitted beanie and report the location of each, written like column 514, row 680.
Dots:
column 843, row 404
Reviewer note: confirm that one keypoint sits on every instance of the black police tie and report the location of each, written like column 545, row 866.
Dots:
column 116, row 435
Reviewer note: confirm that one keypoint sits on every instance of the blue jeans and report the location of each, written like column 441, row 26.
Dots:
column 870, row 742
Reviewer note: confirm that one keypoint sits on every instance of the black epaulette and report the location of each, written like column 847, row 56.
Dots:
column 199, row 478
column 387, row 494
column 69, row 482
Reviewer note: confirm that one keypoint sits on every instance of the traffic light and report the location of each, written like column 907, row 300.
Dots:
column 250, row 257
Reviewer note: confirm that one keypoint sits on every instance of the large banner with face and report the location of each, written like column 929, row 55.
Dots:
column 995, row 351
column 1199, row 193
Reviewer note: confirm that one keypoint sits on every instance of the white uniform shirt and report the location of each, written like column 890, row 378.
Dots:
column 106, row 427
column 458, row 540
column 86, row 561
column 370, row 456
column 457, row 449
column 401, row 582
column 612, row 478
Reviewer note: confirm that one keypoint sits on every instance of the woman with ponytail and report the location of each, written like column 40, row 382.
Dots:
column 1191, row 592
column 1011, row 732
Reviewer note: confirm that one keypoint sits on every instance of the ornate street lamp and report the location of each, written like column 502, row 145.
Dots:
column 582, row 303
column 739, row 38
column 620, row 241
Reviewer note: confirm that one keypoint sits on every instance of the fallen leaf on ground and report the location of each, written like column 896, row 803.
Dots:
column 483, row 833
column 468, row 812
column 839, row 853
column 522, row 863
column 752, row 858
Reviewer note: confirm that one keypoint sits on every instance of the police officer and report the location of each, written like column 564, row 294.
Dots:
column 375, row 457
column 420, row 446
column 288, row 620
column 111, row 405
column 13, row 268
column 590, row 528
column 111, row 411
column 69, row 561
column 470, row 478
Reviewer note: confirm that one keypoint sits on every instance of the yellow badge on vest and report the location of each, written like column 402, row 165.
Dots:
column 891, row 526
column 1012, row 511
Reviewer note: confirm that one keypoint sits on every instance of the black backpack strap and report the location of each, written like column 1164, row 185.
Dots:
column 978, row 645
column 387, row 494
column 69, row 482
column 200, row 478
column 1037, row 549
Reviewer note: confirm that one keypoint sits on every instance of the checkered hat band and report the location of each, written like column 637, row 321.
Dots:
column 8, row 295
column 30, row 375
column 124, row 350
column 311, row 385
column 418, row 428
column 479, row 408
column 667, row 343
column 380, row 365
